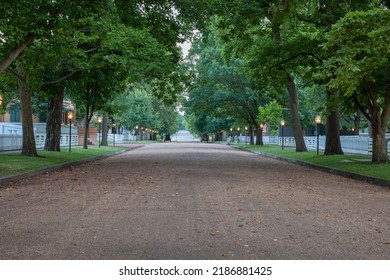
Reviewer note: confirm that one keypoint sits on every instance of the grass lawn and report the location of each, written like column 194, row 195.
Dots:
column 358, row 164
column 13, row 163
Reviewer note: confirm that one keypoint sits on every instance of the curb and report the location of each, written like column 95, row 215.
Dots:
column 27, row 175
column 350, row 175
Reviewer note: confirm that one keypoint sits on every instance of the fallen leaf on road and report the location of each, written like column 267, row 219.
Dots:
column 257, row 217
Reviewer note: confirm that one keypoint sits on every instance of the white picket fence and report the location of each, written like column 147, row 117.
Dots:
column 11, row 136
column 350, row 144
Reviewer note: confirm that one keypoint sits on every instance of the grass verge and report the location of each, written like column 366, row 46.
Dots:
column 14, row 164
column 357, row 164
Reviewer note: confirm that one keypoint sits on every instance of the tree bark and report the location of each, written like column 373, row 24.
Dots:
column 259, row 136
column 379, row 147
column 357, row 123
column 105, row 130
column 28, row 145
column 53, row 122
column 332, row 143
column 86, row 127
column 296, row 123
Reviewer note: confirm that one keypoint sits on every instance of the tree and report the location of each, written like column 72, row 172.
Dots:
column 249, row 21
column 138, row 107
column 221, row 88
column 28, row 141
column 270, row 114
column 45, row 21
column 28, row 29
column 359, row 68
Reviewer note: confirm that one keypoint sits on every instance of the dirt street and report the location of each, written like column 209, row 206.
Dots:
column 193, row 201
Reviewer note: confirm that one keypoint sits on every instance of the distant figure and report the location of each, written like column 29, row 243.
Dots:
column 167, row 138
column 205, row 137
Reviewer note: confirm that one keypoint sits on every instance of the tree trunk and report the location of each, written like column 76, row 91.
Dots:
column 357, row 123
column 105, row 130
column 53, row 122
column 332, row 143
column 252, row 138
column 259, row 136
column 291, row 88
column 86, row 127
column 379, row 147
column 296, row 123
column 28, row 146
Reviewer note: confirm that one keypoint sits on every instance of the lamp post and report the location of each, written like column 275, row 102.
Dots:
column 100, row 120
column 70, row 117
column 282, row 123
column 136, row 133
column 246, row 128
column 318, row 122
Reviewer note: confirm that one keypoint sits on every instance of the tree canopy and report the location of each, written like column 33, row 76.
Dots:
column 307, row 57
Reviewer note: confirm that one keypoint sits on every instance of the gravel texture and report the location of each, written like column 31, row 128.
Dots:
column 193, row 201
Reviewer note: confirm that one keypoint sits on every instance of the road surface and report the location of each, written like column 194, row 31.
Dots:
column 193, row 201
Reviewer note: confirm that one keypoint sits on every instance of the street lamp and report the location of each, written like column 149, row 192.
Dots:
column 100, row 120
column 246, row 128
column 282, row 123
column 70, row 117
column 136, row 133
column 318, row 122
column 1, row 100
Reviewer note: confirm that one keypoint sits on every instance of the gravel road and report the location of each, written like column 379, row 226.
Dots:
column 193, row 201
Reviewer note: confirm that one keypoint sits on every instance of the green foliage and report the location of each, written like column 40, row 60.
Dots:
column 221, row 93
column 270, row 114
column 138, row 107
column 359, row 44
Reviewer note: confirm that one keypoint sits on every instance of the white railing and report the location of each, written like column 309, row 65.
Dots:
column 350, row 144
column 11, row 136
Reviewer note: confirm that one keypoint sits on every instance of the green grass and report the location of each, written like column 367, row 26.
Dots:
column 13, row 163
column 358, row 164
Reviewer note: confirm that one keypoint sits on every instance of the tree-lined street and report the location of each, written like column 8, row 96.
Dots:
column 193, row 201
